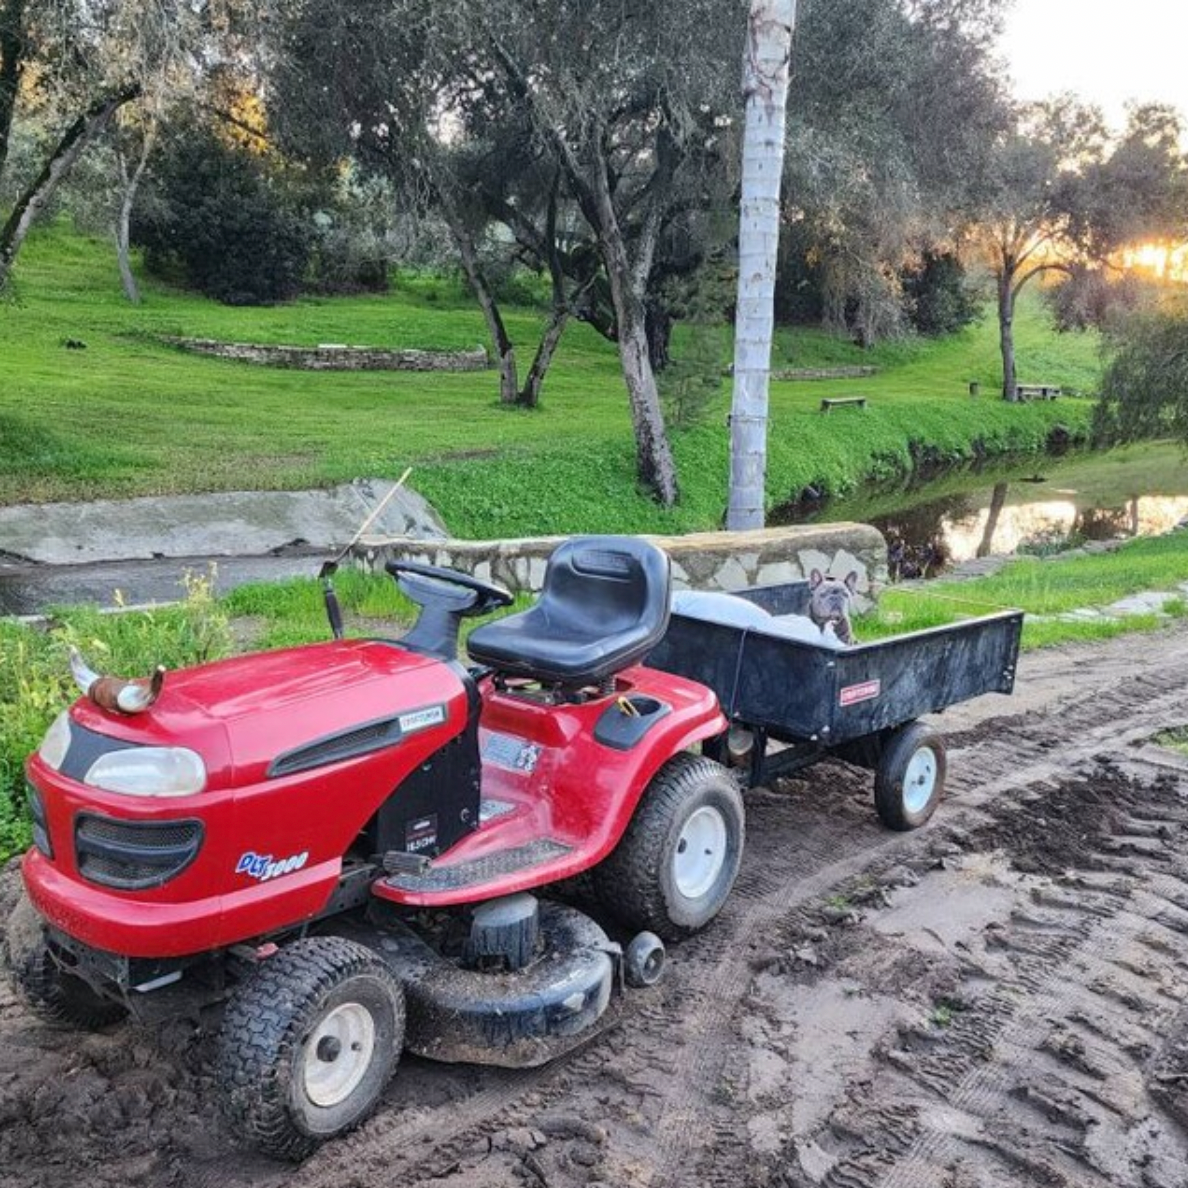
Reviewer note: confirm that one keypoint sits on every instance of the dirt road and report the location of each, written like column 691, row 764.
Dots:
column 999, row 999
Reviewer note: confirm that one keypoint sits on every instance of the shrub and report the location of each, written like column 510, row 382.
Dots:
column 227, row 218
column 939, row 298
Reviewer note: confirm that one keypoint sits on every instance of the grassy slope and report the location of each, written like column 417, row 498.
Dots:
column 127, row 416
column 1044, row 588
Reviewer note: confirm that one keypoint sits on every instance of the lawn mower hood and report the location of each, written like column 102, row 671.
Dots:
column 164, row 827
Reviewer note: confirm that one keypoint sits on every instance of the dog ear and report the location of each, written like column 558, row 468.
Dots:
column 815, row 579
column 852, row 580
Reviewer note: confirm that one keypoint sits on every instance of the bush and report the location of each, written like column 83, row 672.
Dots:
column 938, row 296
column 1144, row 391
column 35, row 682
column 227, row 219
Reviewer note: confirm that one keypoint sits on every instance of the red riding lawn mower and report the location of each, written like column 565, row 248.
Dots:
column 338, row 843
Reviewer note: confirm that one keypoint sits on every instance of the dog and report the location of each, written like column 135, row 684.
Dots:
column 829, row 604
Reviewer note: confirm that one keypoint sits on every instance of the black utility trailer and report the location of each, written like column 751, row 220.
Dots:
column 860, row 703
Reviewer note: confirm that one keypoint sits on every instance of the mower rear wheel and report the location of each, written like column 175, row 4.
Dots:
column 55, row 995
column 674, row 868
column 308, row 1043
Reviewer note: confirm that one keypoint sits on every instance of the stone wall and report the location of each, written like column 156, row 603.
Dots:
column 823, row 373
column 333, row 357
column 703, row 561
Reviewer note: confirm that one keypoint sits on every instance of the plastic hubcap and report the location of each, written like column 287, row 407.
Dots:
column 920, row 780
column 338, row 1054
column 700, row 853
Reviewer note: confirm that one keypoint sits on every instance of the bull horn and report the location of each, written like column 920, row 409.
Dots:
column 113, row 693
column 137, row 696
column 84, row 677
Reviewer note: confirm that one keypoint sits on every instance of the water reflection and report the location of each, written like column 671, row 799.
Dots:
column 931, row 537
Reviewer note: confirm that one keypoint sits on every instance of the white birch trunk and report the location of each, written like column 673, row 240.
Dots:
column 765, row 86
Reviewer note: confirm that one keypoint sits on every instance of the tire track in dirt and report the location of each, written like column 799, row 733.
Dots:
column 1097, row 983
column 1014, row 760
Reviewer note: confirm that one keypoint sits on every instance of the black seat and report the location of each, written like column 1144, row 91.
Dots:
column 604, row 606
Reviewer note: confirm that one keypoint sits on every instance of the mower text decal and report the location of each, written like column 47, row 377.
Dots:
column 515, row 754
column 422, row 719
column 867, row 691
column 264, row 866
column 420, row 834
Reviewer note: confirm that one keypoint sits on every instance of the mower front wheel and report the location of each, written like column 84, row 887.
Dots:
column 308, row 1044
column 674, row 868
column 55, row 995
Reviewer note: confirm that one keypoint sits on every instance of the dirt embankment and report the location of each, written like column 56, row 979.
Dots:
column 1001, row 999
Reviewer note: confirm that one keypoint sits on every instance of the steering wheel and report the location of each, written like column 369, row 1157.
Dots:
column 488, row 596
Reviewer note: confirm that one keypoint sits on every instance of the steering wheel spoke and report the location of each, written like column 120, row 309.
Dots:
column 488, row 596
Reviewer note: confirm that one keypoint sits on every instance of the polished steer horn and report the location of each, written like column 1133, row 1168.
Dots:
column 113, row 693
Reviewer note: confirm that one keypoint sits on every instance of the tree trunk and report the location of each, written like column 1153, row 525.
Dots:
column 1006, row 335
column 12, row 67
column 505, row 351
column 529, row 396
column 35, row 199
column 653, row 455
column 659, row 335
column 130, row 186
column 765, row 85
column 628, row 283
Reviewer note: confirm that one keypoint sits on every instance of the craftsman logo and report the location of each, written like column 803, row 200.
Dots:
column 422, row 719
column 867, row 691
column 265, row 867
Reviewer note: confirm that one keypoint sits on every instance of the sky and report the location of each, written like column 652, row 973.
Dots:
column 1106, row 52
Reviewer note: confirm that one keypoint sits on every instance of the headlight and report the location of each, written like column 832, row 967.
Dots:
column 56, row 742
column 149, row 771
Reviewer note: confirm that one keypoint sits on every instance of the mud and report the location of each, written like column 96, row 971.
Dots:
column 999, row 999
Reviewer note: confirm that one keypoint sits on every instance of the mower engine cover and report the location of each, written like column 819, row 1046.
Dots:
column 224, row 813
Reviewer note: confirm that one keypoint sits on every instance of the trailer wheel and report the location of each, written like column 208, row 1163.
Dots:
column 674, row 868
column 55, row 995
column 910, row 777
column 308, row 1043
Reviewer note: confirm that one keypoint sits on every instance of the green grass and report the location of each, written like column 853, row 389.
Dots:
column 129, row 416
column 1177, row 740
column 1045, row 587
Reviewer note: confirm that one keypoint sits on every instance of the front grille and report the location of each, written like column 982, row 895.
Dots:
column 134, row 855
column 41, row 837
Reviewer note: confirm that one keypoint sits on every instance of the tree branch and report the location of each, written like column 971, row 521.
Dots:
column 75, row 139
column 1034, row 272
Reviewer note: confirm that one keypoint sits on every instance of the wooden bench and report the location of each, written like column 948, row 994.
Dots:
column 1037, row 391
column 827, row 405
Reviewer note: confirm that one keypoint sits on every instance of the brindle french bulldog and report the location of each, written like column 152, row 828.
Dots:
column 829, row 602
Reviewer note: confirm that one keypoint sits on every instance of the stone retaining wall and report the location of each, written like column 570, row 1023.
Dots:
column 823, row 373
column 703, row 561
column 332, row 357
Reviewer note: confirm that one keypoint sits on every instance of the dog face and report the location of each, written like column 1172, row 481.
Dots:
column 830, row 597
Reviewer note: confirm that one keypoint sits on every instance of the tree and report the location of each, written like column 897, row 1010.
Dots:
column 766, row 63
column 1063, row 198
column 621, row 101
column 1144, row 391
column 391, row 86
column 893, row 109
column 76, row 66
